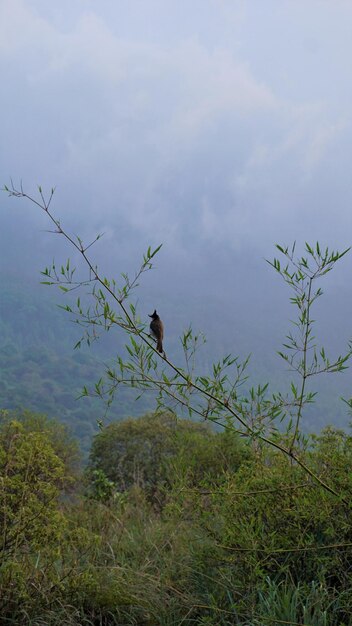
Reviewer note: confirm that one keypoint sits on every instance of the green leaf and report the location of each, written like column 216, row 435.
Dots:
column 155, row 251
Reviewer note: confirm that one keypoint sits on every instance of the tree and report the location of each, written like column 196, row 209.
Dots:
column 32, row 476
column 157, row 451
column 255, row 415
column 57, row 434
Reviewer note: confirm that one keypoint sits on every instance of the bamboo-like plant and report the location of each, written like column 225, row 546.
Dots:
column 217, row 397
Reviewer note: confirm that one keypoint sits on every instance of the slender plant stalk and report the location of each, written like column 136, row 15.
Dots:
column 304, row 373
column 131, row 326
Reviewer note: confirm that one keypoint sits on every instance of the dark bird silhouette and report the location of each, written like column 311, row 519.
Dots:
column 157, row 331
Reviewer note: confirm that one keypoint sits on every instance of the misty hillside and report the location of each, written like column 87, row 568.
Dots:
column 41, row 371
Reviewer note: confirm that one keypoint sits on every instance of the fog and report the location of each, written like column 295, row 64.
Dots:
column 215, row 127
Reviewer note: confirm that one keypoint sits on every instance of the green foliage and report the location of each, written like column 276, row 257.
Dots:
column 58, row 434
column 32, row 476
column 38, row 463
column 242, row 537
column 206, row 531
column 302, row 353
column 100, row 488
column 156, row 451
column 217, row 397
column 302, row 604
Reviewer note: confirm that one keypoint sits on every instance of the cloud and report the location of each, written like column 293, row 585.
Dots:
column 20, row 28
column 166, row 134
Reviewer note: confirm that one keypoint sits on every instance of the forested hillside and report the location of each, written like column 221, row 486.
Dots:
column 41, row 371
column 39, row 368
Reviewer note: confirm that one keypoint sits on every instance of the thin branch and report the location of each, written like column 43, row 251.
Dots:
column 223, row 404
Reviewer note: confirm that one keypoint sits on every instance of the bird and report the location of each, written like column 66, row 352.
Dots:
column 157, row 331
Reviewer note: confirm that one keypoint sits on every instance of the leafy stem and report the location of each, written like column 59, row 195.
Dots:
column 217, row 395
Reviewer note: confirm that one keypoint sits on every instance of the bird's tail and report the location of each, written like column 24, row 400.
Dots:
column 159, row 346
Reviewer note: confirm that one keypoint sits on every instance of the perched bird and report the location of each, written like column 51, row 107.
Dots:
column 157, row 331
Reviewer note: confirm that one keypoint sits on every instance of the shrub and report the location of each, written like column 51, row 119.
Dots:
column 157, row 452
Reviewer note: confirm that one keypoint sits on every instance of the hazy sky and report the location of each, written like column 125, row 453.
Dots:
column 225, row 122
column 217, row 127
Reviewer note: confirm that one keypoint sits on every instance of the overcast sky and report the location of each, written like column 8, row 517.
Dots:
column 218, row 121
column 218, row 127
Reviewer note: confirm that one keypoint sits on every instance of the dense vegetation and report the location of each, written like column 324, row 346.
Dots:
column 171, row 523
column 40, row 370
